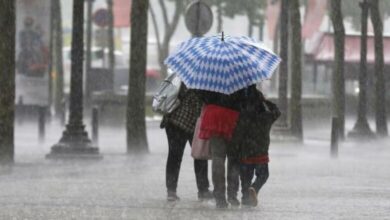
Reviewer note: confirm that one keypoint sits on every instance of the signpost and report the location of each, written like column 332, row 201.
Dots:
column 198, row 18
column 101, row 18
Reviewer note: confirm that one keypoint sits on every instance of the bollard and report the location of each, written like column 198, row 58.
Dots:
column 20, row 110
column 63, row 113
column 95, row 124
column 334, row 147
column 41, row 123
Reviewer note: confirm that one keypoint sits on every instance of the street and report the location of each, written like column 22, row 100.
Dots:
column 304, row 183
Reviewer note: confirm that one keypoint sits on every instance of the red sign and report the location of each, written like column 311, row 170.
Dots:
column 122, row 10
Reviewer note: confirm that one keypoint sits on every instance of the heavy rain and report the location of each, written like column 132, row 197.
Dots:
column 194, row 109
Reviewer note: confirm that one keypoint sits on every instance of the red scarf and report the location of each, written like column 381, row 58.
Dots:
column 260, row 159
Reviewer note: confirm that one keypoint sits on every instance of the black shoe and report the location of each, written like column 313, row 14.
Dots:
column 221, row 204
column 234, row 201
column 205, row 195
column 172, row 197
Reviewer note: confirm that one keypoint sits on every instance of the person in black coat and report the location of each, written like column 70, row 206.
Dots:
column 251, row 141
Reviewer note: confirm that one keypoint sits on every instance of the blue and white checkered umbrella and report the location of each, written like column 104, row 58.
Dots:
column 222, row 64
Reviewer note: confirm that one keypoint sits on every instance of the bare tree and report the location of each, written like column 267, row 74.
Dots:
column 111, row 41
column 283, row 69
column 296, row 70
column 338, row 87
column 58, row 43
column 136, row 126
column 380, row 101
column 169, row 30
column 7, row 80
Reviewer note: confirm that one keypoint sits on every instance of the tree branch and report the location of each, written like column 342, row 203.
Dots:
column 156, row 29
column 176, row 17
column 164, row 12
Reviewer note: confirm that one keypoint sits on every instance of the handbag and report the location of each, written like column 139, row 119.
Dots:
column 166, row 98
column 200, row 148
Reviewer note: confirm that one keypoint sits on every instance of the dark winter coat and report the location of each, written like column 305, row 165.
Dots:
column 251, row 136
column 233, row 101
column 186, row 114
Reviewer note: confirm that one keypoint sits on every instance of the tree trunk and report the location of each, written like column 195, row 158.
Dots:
column 59, row 92
column 111, row 41
column 380, row 98
column 250, row 27
column 163, row 53
column 88, row 54
column 283, row 68
column 338, row 87
column 51, row 55
column 250, row 21
column 7, row 80
column 261, row 29
column 136, row 126
column 170, row 29
column 296, row 70
column 276, row 48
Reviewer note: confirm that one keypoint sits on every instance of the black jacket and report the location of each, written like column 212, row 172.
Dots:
column 233, row 101
column 251, row 136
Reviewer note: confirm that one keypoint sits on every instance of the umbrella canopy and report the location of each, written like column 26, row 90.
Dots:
column 222, row 64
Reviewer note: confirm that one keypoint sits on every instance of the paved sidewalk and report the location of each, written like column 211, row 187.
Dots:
column 304, row 183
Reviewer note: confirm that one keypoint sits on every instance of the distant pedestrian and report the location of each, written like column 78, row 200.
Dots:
column 251, row 141
column 179, row 126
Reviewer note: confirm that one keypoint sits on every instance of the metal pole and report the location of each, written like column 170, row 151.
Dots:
column 41, row 123
column 334, row 146
column 75, row 141
column 95, row 125
column 362, row 128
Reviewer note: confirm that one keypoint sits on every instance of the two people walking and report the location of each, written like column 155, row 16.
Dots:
column 238, row 127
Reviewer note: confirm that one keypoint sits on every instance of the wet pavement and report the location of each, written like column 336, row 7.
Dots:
column 305, row 182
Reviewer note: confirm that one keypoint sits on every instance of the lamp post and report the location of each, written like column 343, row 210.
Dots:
column 361, row 128
column 74, row 141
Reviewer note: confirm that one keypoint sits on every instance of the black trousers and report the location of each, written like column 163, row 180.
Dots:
column 177, row 139
column 247, row 172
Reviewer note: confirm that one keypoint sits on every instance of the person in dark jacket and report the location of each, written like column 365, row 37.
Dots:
column 251, row 141
column 179, row 126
